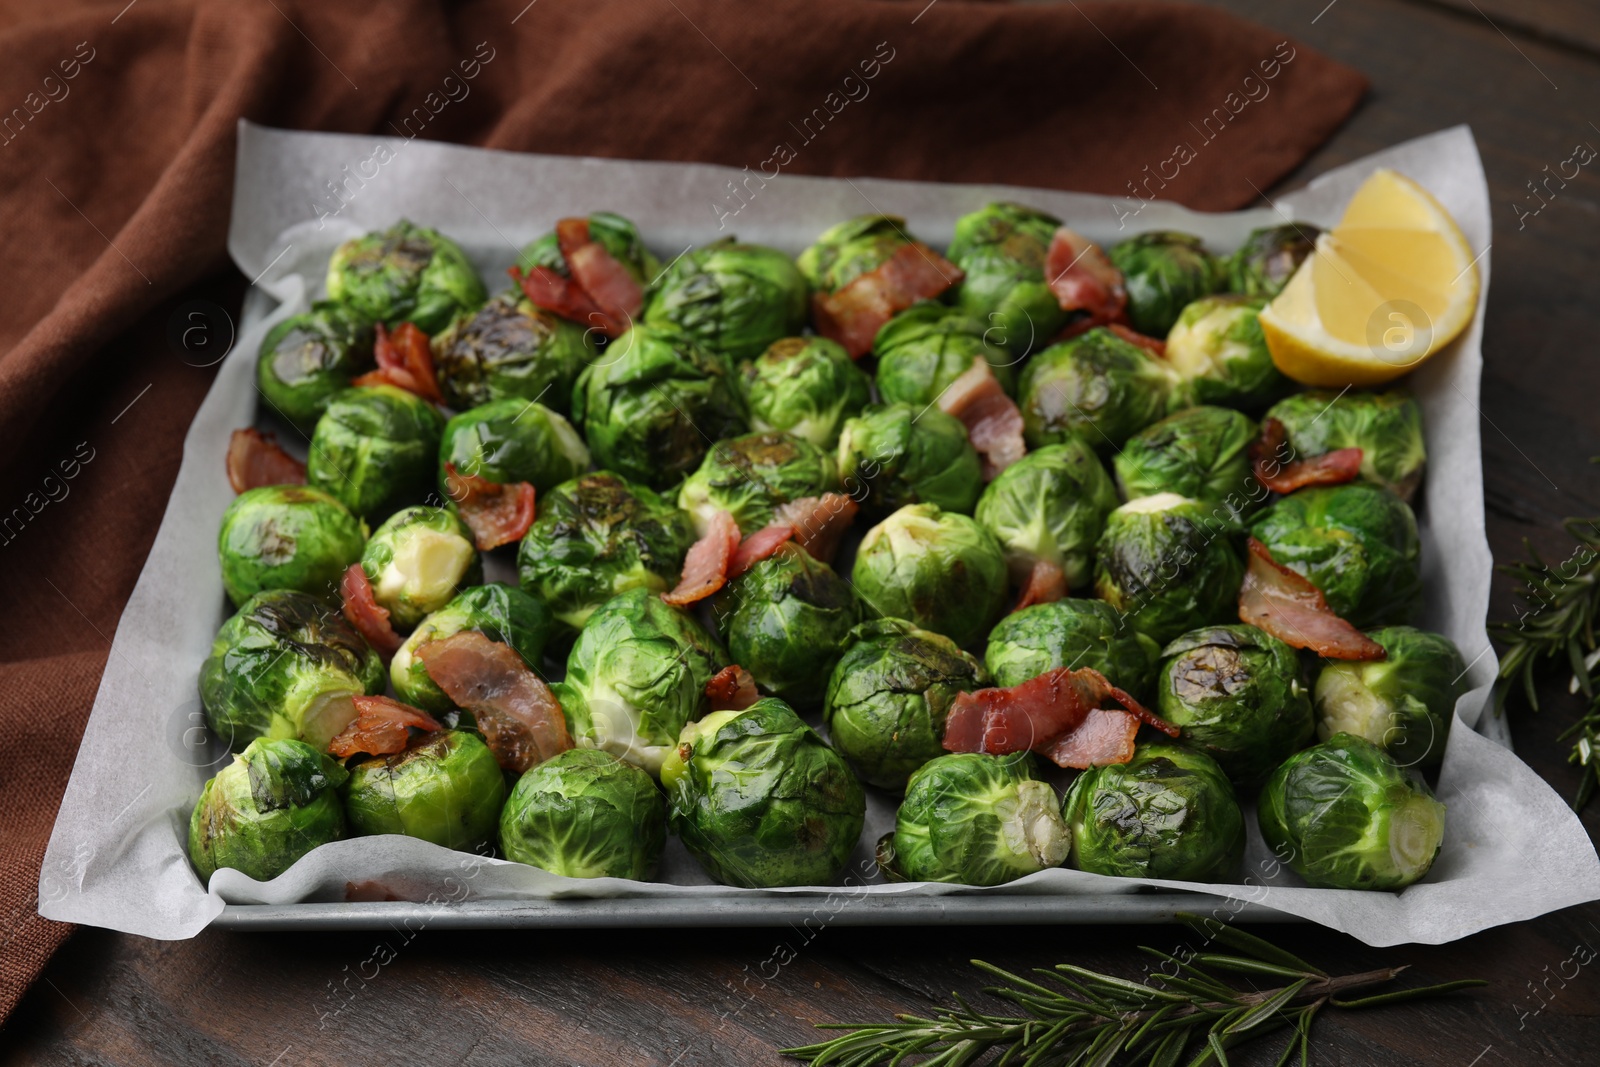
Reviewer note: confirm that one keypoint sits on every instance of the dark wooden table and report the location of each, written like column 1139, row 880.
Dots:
column 1529, row 83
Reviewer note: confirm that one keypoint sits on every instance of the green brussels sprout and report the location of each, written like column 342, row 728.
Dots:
column 735, row 299
column 446, row 788
column 1220, row 355
column 286, row 537
column 1168, row 565
column 889, row 695
column 1002, row 248
column 636, row 675
column 1050, row 505
column 1387, row 427
column 1096, row 387
column 501, row 613
column 787, row 621
column 1168, row 812
column 805, row 386
column 850, row 249
column 1236, row 694
column 599, row 535
column 417, row 560
column 938, row 569
column 307, row 358
column 374, row 449
column 1404, row 704
column 511, row 349
column 1163, row 271
column 513, row 440
column 406, row 273
column 1074, row 634
column 618, row 236
column 978, row 819
column 276, row 801
column 1266, row 261
column 760, row 800
column 1356, row 543
column 923, row 350
column 651, row 408
column 1345, row 815
column 892, row 455
column 1202, row 453
column 750, row 475
column 583, row 813
column 286, row 665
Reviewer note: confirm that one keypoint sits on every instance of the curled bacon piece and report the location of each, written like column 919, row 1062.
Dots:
column 853, row 314
column 731, row 689
column 405, row 360
column 1106, row 735
column 1154, row 345
column 364, row 612
column 763, row 544
column 992, row 419
column 819, row 522
column 256, row 459
column 1269, row 460
column 1287, row 606
column 705, row 568
column 1083, row 279
column 518, row 715
column 496, row 514
column 1047, row 583
column 597, row 290
column 381, row 727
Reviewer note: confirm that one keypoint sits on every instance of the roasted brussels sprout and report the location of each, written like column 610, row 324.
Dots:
column 636, row 675
column 445, row 787
column 618, row 236
column 1002, row 248
column 1050, row 505
column 1220, row 355
column 417, row 560
column 850, row 249
column 1074, row 634
column 501, row 613
column 924, row 349
column 275, row 802
column 1168, row 565
column 1202, row 453
column 889, row 695
column 375, row 448
column 892, row 455
column 599, row 535
column 938, row 569
column 651, row 408
column 586, row 814
column 513, row 440
column 733, row 298
column 1344, row 815
column 749, row 476
column 1168, row 812
column 511, row 349
column 805, row 386
column 1096, row 387
column 1164, row 271
column 1387, row 427
column 307, row 358
column 407, row 273
column 1404, row 704
column 1236, row 694
column 286, row 665
column 761, row 800
column 1356, row 543
column 1266, row 261
column 287, row 537
column 978, row 820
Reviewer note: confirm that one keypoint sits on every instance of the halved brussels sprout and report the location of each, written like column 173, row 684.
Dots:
column 513, row 440
column 761, row 800
column 750, row 475
column 1404, row 704
column 1168, row 812
column 599, row 535
column 1236, row 694
column 286, row 665
column 1050, row 505
column 287, row 537
column 307, row 358
column 924, row 349
column 1387, row 427
column 733, row 298
column 276, row 801
column 1202, row 453
column 1002, row 248
column 375, row 449
column 407, row 273
column 1356, row 543
column 938, row 569
column 1220, row 355
column 892, row 455
column 417, row 560
column 583, row 813
column 978, row 819
column 501, row 613
column 1164, row 271
column 617, row 235
column 1344, row 815
column 445, row 787
column 1168, row 565
column 1097, row 387
column 849, row 249
column 1266, row 261
column 1074, row 634
column 806, row 386
column 889, row 695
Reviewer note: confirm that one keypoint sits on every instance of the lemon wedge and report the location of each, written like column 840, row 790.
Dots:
column 1393, row 283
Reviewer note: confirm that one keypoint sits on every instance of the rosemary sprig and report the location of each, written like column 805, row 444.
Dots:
column 1083, row 1017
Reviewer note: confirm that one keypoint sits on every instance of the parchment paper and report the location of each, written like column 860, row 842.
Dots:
column 1513, row 850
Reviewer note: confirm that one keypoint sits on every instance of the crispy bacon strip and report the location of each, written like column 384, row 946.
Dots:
column 992, row 419
column 763, row 544
column 256, row 459
column 853, row 315
column 598, row 289
column 381, row 727
column 1036, row 713
column 364, row 612
column 1083, row 279
column 819, row 522
column 1287, row 606
column 705, row 568
column 1105, row 736
column 1046, row 584
column 405, row 360
column 1268, row 459
column 731, row 689
column 519, row 716
column 496, row 514
column 1154, row 345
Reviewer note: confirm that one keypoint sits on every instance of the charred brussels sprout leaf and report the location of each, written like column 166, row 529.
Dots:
column 850, row 249
column 1220, row 355
column 513, row 440
column 1404, row 704
column 501, row 613
column 374, row 449
column 923, row 350
column 446, row 788
column 511, row 349
column 749, row 476
column 1202, row 453
column 1074, row 634
column 733, row 298
column 417, row 560
column 1164, row 271
column 937, row 569
column 586, row 814
column 1168, row 565
column 406, row 273
column 287, row 537
column 805, row 386
column 618, row 236
column 1050, row 505
column 1097, row 387
column 1002, row 248
column 1387, row 427
column 892, row 455
column 307, row 358
column 978, row 820
column 275, row 802
column 1266, row 261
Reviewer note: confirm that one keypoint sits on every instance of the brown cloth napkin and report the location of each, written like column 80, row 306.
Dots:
column 116, row 166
